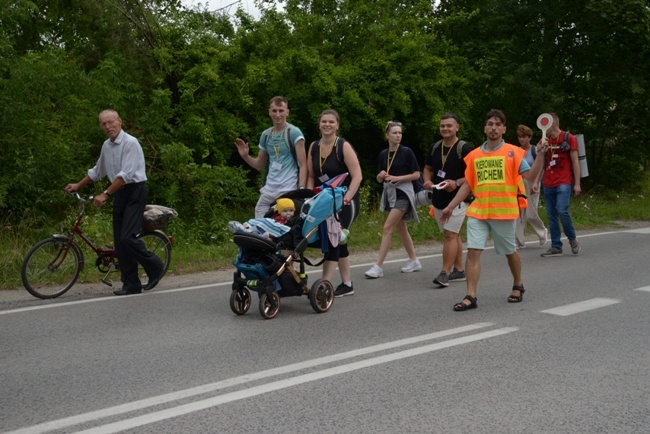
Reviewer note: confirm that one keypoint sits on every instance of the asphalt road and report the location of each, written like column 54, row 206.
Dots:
column 574, row 357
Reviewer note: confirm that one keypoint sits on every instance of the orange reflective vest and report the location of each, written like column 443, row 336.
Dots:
column 494, row 179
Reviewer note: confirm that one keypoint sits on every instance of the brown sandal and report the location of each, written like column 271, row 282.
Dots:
column 459, row 307
column 517, row 298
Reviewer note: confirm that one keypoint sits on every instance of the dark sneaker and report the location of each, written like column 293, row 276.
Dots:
column 575, row 247
column 442, row 279
column 342, row 290
column 457, row 276
column 552, row 252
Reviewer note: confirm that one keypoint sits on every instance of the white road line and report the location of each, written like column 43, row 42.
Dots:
column 49, row 306
column 100, row 299
column 211, row 387
column 290, row 382
column 582, row 306
column 639, row 231
column 645, row 288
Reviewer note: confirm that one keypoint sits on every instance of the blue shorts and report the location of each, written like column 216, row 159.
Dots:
column 503, row 234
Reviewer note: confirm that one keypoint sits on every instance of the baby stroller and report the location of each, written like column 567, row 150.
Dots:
column 263, row 268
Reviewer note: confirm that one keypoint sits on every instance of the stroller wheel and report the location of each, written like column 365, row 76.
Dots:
column 321, row 295
column 269, row 305
column 240, row 302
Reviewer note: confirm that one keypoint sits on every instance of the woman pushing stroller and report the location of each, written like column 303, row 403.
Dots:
column 328, row 157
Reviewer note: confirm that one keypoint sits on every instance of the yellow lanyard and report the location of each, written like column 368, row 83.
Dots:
column 442, row 153
column 322, row 158
column 278, row 148
column 390, row 160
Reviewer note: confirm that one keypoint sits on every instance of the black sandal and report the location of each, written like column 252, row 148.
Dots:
column 517, row 298
column 459, row 307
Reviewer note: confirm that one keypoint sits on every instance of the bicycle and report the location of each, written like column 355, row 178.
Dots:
column 52, row 266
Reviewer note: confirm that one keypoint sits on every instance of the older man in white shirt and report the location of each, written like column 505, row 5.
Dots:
column 122, row 161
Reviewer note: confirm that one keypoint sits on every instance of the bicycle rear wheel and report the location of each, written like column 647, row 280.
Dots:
column 160, row 245
column 51, row 267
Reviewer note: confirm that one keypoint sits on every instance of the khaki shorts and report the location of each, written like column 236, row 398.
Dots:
column 455, row 222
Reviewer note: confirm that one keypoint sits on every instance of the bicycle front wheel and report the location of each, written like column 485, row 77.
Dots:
column 51, row 267
column 160, row 245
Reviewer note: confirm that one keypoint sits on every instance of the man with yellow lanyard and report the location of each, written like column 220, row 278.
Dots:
column 492, row 175
column 283, row 147
column 444, row 166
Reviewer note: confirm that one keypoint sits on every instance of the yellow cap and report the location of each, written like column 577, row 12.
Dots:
column 284, row 204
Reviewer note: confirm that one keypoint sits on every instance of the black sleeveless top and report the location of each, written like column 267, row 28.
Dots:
column 333, row 165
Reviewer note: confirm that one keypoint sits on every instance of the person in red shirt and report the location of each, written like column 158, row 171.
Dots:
column 561, row 176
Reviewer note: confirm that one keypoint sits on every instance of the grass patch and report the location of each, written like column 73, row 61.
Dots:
column 191, row 254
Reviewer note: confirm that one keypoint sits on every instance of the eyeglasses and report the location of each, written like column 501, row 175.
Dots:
column 107, row 123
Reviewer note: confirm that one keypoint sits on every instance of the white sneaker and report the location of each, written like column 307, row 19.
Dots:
column 412, row 266
column 544, row 239
column 375, row 272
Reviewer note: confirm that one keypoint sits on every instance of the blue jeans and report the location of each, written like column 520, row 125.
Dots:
column 557, row 209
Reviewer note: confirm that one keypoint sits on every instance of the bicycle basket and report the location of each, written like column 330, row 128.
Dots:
column 157, row 217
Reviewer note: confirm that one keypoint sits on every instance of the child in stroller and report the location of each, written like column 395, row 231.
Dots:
column 284, row 210
column 265, row 264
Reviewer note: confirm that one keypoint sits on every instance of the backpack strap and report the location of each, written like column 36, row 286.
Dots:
column 290, row 144
column 436, row 146
column 338, row 145
column 459, row 147
column 267, row 133
column 340, row 142
column 287, row 138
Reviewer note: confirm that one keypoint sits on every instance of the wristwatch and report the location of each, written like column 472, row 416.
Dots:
column 106, row 193
column 457, row 184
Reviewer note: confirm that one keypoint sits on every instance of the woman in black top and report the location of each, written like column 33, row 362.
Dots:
column 328, row 157
column 398, row 170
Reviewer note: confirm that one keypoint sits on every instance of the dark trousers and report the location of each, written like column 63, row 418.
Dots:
column 128, row 210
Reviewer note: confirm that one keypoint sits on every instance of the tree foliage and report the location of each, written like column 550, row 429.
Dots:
column 188, row 82
column 585, row 60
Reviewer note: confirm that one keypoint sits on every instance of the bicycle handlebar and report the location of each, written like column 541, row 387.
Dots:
column 78, row 196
